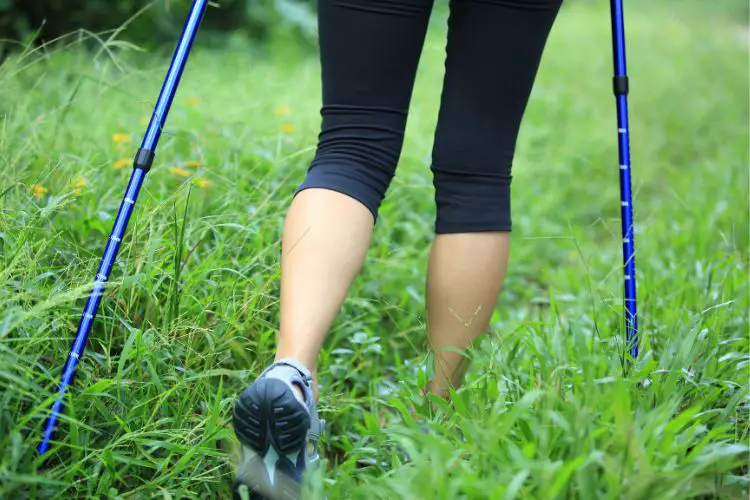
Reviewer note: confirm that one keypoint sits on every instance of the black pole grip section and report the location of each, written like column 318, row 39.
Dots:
column 621, row 85
column 143, row 159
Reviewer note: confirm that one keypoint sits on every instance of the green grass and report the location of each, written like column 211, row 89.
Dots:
column 190, row 317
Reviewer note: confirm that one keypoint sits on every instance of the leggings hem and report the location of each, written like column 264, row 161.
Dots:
column 504, row 227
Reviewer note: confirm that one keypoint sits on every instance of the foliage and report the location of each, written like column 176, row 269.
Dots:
column 548, row 409
column 152, row 22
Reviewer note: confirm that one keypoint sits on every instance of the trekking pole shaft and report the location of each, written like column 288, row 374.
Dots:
column 621, row 89
column 141, row 165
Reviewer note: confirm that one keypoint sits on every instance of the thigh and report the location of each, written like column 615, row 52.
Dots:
column 369, row 53
column 370, row 50
column 493, row 52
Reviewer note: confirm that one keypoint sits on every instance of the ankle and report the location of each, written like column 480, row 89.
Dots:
column 299, row 392
column 308, row 367
column 313, row 388
column 436, row 388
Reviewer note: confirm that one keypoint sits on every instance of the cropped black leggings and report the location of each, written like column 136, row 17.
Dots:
column 369, row 51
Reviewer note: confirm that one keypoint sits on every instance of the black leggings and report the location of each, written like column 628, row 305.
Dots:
column 369, row 52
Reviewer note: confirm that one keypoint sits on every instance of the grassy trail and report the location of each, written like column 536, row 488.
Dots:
column 191, row 312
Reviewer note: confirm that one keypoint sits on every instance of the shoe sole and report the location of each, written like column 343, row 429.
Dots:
column 271, row 423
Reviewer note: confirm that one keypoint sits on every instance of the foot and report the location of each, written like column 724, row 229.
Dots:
column 276, row 421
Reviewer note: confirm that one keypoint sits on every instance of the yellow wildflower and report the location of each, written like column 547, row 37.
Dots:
column 39, row 190
column 193, row 101
column 193, row 163
column 79, row 184
column 287, row 128
column 282, row 110
column 122, row 163
column 120, row 138
column 201, row 183
column 179, row 171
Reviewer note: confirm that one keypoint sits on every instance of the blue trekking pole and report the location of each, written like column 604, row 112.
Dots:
column 621, row 87
column 141, row 165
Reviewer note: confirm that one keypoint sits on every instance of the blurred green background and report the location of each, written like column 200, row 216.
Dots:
column 151, row 24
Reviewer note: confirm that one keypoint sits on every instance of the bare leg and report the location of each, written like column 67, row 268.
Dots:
column 325, row 241
column 465, row 275
column 486, row 88
column 369, row 54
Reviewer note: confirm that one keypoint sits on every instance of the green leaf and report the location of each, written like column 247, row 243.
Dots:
column 97, row 388
column 563, row 476
column 515, row 485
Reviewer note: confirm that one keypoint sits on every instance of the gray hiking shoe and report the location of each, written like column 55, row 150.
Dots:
column 279, row 432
